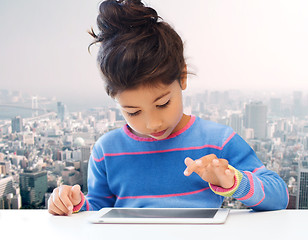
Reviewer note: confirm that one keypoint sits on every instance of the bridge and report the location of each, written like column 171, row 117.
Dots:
column 24, row 107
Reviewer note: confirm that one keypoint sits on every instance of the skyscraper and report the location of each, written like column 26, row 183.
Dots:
column 33, row 186
column 297, row 104
column 255, row 118
column 4, row 167
column 236, row 122
column 275, row 106
column 85, row 155
column 6, row 189
column 302, row 195
column 61, row 111
column 34, row 106
column 17, row 124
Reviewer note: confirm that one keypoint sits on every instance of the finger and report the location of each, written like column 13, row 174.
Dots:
column 188, row 161
column 229, row 178
column 64, row 192
column 58, row 203
column 52, row 208
column 52, row 212
column 229, row 172
column 195, row 166
column 211, row 156
column 220, row 163
column 215, row 162
column 75, row 195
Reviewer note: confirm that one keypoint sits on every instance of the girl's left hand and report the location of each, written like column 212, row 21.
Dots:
column 212, row 170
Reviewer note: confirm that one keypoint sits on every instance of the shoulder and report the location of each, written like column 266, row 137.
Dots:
column 109, row 140
column 210, row 127
column 214, row 132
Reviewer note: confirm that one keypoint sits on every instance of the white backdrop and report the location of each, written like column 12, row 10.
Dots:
column 229, row 44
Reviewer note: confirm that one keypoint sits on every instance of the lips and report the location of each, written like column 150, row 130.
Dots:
column 158, row 134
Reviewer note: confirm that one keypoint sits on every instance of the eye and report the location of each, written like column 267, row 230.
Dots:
column 133, row 114
column 164, row 105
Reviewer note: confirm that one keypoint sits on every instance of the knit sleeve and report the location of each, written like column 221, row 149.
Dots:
column 257, row 187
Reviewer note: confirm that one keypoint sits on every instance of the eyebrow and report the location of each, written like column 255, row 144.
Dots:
column 156, row 99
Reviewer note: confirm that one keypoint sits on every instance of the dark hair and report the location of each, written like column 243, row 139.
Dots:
column 137, row 47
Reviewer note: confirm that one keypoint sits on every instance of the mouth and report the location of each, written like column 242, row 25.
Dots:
column 158, row 134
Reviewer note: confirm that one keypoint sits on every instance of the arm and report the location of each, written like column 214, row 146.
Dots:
column 237, row 172
column 259, row 188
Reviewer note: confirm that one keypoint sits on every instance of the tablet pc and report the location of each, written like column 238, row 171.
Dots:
column 161, row 215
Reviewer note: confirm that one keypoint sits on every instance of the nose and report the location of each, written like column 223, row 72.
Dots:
column 154, row 122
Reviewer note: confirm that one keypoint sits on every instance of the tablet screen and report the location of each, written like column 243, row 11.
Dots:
column 158, row 213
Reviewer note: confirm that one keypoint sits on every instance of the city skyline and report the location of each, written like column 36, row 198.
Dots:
column 13, row 103
column 228, row 45
column 54, row 148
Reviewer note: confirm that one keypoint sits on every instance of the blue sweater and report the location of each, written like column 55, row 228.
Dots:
column 129, row 171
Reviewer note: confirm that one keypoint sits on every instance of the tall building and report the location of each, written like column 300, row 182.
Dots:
column 17, row 124
column 255, row 118
column 85, row 152
column 297, row 104
column 275, row 106
column 85, row 155
column 302, row 195
column 84, row 173
column 61, row 111
column 236, row 122
column 4, row 167
column 34, row 106
column 33, row 186
column 6, row 190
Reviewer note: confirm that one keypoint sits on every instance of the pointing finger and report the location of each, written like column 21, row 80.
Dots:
column 188, row 161
column 192, row 166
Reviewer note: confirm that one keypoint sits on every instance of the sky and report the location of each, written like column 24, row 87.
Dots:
column 229, row 44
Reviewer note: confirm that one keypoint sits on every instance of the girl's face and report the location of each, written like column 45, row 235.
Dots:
column 154, row 112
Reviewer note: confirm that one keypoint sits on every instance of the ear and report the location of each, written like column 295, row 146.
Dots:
column 184, row 78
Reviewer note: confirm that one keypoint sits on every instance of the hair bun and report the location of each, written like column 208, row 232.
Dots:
column 123, row 15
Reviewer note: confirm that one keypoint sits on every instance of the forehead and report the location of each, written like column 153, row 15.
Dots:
column 146, row 93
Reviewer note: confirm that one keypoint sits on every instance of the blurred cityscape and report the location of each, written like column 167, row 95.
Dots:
column 43, row 144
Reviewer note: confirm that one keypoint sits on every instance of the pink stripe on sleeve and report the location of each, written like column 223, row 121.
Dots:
column 228, row 139
column 257, row 169
column 98, row 160
column 262, row 198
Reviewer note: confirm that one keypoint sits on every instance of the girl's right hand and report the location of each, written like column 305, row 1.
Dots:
column 63, row 199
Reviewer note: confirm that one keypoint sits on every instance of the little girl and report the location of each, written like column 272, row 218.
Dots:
column 162, row 157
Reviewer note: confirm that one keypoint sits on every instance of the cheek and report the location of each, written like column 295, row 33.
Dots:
column 177, row 110
column 133, row 122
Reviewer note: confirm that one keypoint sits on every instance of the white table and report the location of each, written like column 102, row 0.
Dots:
column 241, row 224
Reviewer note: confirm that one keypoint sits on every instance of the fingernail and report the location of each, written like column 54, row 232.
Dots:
column 70, row 208
column 185, row 172
column 215, row 161
column 198, row 162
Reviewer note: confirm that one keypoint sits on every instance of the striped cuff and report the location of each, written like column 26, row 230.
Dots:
column 228, row 192
column 79, row 206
